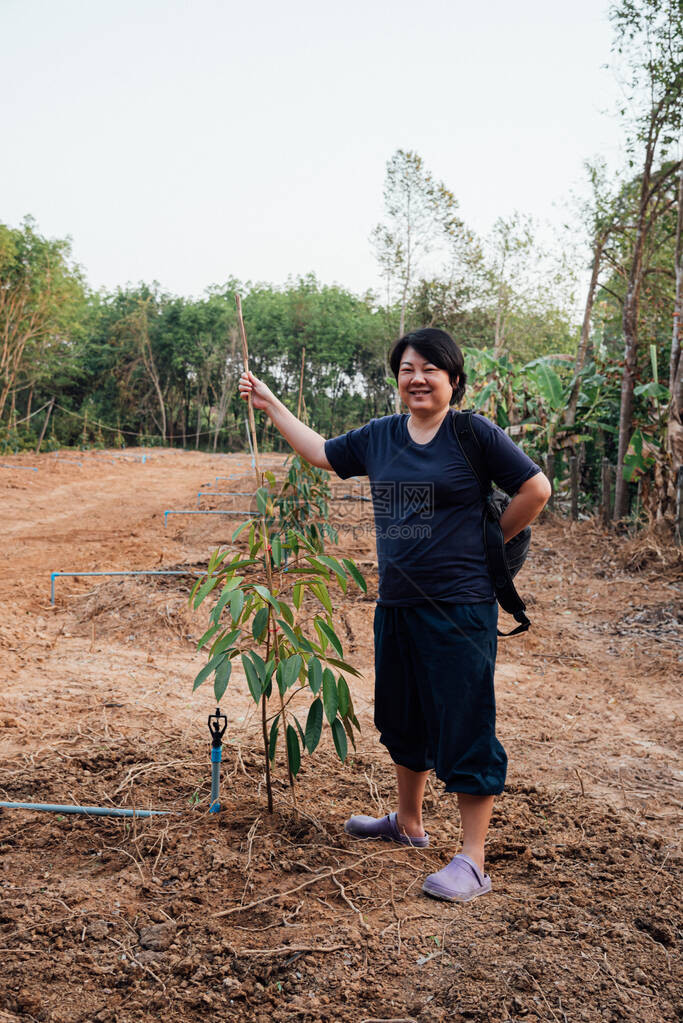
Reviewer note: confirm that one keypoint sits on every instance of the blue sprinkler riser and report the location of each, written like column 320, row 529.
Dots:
column 216, row 756
column 55, row 575
column 91, row 811
column 193, row 511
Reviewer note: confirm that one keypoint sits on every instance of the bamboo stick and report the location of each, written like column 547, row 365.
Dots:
column 301, row 382
column 264, row 528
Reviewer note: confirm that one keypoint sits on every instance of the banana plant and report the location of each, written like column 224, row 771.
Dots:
column 647, row 443
column 280, row 622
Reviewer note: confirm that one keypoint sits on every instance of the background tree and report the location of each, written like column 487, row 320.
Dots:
column 420, row 214
column 648, row 35
column 41, row 293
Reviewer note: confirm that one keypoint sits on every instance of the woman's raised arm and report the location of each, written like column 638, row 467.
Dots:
column 304, row 440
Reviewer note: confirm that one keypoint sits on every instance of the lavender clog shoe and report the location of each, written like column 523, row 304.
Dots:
column 459, row 881
column 385, row 828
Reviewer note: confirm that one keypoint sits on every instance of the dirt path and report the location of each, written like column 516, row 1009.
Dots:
column 97, row 706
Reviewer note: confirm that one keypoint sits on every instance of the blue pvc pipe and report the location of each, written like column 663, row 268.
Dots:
column 54, row 575
column 29, row 468
column 92, row 811
column 71, row 461
column 193, row 511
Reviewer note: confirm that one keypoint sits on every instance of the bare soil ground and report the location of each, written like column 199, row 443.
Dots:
column 241, row 915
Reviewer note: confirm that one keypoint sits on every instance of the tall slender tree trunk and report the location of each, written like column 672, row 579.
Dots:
column 401, row 332
column 200, row 398
column 675, row 424
column 499, row 327
column 630, row 325
column 150, row 365
column 226, row 385
column 598, row 248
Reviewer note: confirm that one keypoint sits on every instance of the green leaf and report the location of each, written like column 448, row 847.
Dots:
column 331, row 635
column 286, row 612
column 289, row 633
column 317, row 567
column 315, row 675
column 336, row 568
column 236, row 604
column 226, row 594
column 258, row 625
column 207, row 669
column 206, row 588
column 314, row 725
column 550, row 386
column 253, row 681
column 259, row 664
column 220, row 682
column 300, row 731
column 297, row 595
column 273, row 738
column 343, row 696
column 265, row 594
column 262, row 500
column 225, row 642
column 348, row 728
column 330, row 695
column 293, row 750
column 339, row 736
column 344, row 666
column 321, row 592
column 356, row 574
column 290, row 670
column 270, row 476
column 276, row 550
column 483, row 396
column 240, row 529
column 305, row 645
column 194, row 589
column 255, row 547
column 208, row 634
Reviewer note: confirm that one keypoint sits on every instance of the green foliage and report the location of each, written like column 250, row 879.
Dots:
column 278, row 620
column 300, row 507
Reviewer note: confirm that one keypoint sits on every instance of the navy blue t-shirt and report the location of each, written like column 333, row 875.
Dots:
column 428, row 506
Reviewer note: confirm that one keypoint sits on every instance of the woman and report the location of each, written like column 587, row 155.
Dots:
column 436, row 614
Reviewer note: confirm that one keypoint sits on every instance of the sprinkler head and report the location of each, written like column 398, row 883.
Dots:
column 217, row 730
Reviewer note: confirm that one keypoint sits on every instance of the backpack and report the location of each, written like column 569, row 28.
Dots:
column 504, row 560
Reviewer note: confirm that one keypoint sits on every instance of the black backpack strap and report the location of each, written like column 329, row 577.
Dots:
column 494, row 545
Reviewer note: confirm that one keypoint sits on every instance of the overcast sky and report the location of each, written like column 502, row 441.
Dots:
column 189, row 141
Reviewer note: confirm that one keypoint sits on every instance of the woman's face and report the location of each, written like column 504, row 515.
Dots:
column 423, row 387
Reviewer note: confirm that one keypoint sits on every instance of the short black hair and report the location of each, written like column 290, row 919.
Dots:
column 439, row 348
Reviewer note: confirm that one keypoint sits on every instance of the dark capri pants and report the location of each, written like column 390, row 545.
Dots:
column 434, row 699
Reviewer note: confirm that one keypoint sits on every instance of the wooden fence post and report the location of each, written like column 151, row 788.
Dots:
column 606, row 479
column 550, row 473
column 574, row 484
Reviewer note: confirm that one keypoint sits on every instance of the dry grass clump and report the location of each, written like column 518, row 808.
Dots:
column 648, row 550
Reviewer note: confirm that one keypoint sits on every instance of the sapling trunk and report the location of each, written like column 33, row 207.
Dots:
column 264, row 725
column 264, row 533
